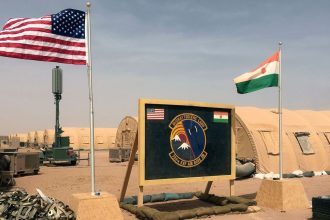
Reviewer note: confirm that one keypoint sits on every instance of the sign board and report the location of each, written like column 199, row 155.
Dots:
column 182, row 141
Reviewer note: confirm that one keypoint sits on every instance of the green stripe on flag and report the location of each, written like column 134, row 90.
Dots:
column 220, row 120
column 270, row 80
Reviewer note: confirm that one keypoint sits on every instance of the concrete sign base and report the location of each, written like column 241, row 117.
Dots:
column 282, row 194
column 87, row 206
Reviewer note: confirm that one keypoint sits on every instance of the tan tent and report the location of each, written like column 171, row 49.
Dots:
column 73, row 134
column 104, row 138
column 257, row 138
column 49, row 135
column 80, row 137
column 38, row 139
column 126, row 132
column 30, row 139
column 22, row 137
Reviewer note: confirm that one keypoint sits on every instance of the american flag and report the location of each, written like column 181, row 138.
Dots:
column 155, row 114
column 55, row 38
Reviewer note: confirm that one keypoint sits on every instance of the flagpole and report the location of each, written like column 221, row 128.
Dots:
column 90, row 85
column 280, row 112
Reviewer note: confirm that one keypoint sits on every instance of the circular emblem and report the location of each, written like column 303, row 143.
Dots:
column 188, row 140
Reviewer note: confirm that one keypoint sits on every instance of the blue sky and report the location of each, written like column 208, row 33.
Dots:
column 182, row 50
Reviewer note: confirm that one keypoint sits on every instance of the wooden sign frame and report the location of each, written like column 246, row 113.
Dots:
column 140, row 145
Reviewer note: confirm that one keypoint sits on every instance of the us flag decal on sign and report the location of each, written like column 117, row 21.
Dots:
column 155, row 114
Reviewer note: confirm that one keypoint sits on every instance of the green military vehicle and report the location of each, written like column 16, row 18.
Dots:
column 59, row 153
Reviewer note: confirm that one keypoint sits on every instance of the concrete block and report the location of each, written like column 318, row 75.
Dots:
column 282, row 194
column 103, row 206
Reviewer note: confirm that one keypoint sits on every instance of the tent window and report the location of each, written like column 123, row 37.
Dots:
column 269, row 142
column 303, row 140
column 327, row 137
column 99, row 140
column 85, row 139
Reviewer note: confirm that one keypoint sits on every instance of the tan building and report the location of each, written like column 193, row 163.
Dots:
column 79, row 137
column 104, row 138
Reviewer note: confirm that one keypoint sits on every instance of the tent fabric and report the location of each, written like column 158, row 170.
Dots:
column 257, row 138
column 79, row 137
column 39, row 138
column 126, row 132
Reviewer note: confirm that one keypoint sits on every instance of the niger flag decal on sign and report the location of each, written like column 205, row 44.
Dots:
column 220, row 117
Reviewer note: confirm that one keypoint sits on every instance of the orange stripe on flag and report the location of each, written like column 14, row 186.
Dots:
column 272, row 58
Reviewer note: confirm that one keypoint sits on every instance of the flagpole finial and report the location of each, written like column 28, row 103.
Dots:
column 280, row 43
column 88, row 4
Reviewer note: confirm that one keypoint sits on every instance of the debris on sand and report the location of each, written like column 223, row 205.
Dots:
column 18, row 204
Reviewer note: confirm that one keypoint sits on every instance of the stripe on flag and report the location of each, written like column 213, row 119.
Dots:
column 155, row 114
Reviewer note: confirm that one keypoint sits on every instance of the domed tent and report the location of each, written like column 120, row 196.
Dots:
column 49, row 135
column 257, row 138
column 38, row 139
column 321, row 127
column 125, row 137
column 30, row 139
column 80, row 137
column 18, row 140
column 126, row 132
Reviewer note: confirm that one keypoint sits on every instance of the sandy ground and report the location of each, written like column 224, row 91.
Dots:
column 61, row 181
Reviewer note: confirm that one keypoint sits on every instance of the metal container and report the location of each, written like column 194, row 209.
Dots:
column 119, row 154
column 22, row 161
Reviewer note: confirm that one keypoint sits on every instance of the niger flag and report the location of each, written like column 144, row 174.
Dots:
column 265, row 75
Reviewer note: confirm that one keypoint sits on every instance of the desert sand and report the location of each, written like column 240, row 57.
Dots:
column 61, row 181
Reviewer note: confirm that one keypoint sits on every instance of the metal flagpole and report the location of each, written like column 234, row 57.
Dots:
column 91, row 108
column 280, row 113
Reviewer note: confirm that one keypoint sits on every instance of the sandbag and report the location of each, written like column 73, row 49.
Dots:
column 217, row 200
column 308, row 174
column 186, row 214
column 140, row 213
column 221, row 201
column 130, row 200
column 146, row 199
column 238, row 207
column 289, row 175
column 213, row 199
column 165, row 216
column 171, row 196
column 204, row 211
column 188, row 195
column 221, row 209
column 198, row 194
column 205, row 197
column 158, row 197
column 128, row 207
column 245, row 170
column 240, row 200
column 148, row 212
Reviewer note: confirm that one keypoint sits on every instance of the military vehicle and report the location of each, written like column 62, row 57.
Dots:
column 60, row 151
column 16, row 162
